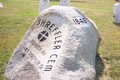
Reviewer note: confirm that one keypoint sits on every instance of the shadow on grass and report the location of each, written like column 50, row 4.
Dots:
column 117, row 24
column 99, row 66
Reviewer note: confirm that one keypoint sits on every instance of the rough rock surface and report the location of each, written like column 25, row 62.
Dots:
column 61, row 44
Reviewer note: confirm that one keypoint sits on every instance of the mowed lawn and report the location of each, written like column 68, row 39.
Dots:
column 17, row 16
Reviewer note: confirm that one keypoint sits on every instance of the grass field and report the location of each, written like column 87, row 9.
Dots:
column 17, row 15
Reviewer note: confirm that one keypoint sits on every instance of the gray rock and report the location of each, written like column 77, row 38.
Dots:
column 61, row 44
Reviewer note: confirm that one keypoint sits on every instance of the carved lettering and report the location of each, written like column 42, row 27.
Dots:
column 47, row 24
column 59, row 41
column 48, row 68
column 35, row 60
column 39, row 21
column 79, row 21
column 54, row 55
column 38, row 47
column 51, row 26
column 57, row 47
column 52, row 61
column 58, row 37
column 43, row 22
column 55, row 29
column 58, row 33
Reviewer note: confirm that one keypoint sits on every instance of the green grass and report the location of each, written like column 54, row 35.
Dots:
column 15, row 19
column 17, row 16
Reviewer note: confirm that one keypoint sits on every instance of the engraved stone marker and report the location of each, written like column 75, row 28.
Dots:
column 1, row 5
column 61, row 44
column 44, row 4
column 65, row 2
column 116, row 13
